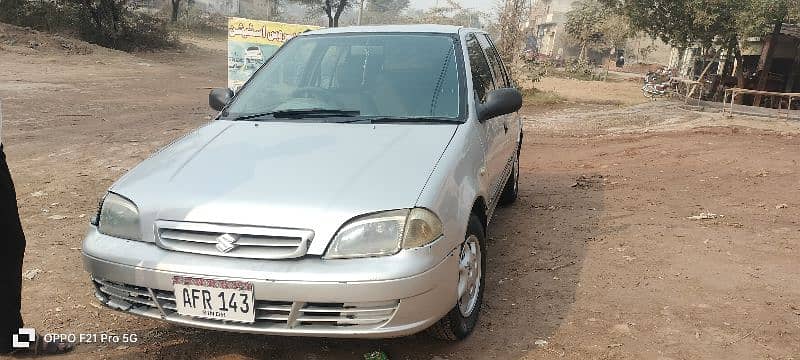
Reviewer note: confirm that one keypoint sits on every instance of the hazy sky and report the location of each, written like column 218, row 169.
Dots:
column 482, row 5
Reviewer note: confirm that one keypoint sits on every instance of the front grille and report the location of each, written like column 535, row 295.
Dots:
column 286, row 314
column 125, row 296
column 346, row 314
column 251, row 242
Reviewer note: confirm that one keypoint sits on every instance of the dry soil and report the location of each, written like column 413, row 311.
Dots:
column 599, row 258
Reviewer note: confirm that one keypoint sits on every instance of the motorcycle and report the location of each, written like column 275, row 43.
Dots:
column 658, row 83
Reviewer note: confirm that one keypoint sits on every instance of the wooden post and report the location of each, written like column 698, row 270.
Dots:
column 740, row 82
column 795, row 68
column 765, row 63
column 727, row 68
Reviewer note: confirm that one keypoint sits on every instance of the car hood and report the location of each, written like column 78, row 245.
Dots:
column 291, row 175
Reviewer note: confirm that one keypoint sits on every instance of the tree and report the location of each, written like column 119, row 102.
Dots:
column 616, row 31
column 711, row 24
column 333, row 9
column 451, row 13
column 644, row 52
column 670, row 20
column 509, row 28
column 384, row 11
column 585, row 23
column 683, row 23
column 759, row 17
column 387, row 6
column 176, row 5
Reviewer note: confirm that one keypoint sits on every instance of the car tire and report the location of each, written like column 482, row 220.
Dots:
column 461, row 320
column 511, row 189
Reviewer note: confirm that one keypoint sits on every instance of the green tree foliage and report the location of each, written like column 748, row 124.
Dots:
column 384, row 11
column 333, row 9
column 509, row 35
column 712, row 24
column 669, row 20
column 593, row 25
column 758, row 17
column 682, row 23
column 616, row 31
column 387, row 6
column 449, row 13
column 109, row 23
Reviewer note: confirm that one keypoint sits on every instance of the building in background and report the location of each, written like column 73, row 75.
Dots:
column 546, row 24
column 769, row 63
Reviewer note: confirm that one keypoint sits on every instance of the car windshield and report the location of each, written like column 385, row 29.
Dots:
column 402, row 75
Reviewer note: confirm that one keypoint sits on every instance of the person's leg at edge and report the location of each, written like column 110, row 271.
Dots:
column 12, row 250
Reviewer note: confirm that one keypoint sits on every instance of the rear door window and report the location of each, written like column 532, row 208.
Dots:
column 482, row 80
column 500, row 77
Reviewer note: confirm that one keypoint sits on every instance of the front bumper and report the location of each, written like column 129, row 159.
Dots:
column 372, row 307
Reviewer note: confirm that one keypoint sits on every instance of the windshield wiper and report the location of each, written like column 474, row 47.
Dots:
column 300, row 114
column 402, row 119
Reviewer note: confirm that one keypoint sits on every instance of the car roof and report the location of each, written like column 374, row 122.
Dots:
column 417, row 28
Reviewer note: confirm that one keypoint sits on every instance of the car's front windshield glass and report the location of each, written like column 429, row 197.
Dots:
column 365, row 75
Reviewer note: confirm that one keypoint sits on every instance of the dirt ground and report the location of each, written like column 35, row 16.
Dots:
column 599, row 258
column 620, row 92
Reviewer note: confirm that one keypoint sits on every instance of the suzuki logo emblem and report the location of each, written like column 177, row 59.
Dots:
column 227, row 242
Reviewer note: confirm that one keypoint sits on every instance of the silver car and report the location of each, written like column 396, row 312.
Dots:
column 344, row 191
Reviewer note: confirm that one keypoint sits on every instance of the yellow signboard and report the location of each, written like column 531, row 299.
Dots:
column 252, row 42
column 263, row 32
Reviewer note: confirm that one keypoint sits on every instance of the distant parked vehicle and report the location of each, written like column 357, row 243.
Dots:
column 253, row 57
column 659, row 83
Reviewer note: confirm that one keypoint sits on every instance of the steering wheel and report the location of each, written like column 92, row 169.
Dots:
column 314, row 93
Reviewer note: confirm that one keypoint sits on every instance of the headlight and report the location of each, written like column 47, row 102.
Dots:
column 385, row 233
column 422, row 228
column 119, row 217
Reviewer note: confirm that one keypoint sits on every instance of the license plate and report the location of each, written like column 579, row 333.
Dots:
column 214, row 299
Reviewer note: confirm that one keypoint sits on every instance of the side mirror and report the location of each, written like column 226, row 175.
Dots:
column 219, row 98
column 500, row 102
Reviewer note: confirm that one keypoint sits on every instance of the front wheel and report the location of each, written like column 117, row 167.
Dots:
column 462, row 319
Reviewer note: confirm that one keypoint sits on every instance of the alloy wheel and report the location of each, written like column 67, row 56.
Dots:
column 469, row 275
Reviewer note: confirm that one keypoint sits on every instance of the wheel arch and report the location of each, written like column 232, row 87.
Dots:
column 480, row 209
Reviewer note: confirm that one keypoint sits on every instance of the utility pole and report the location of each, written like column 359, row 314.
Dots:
column 361, row 12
